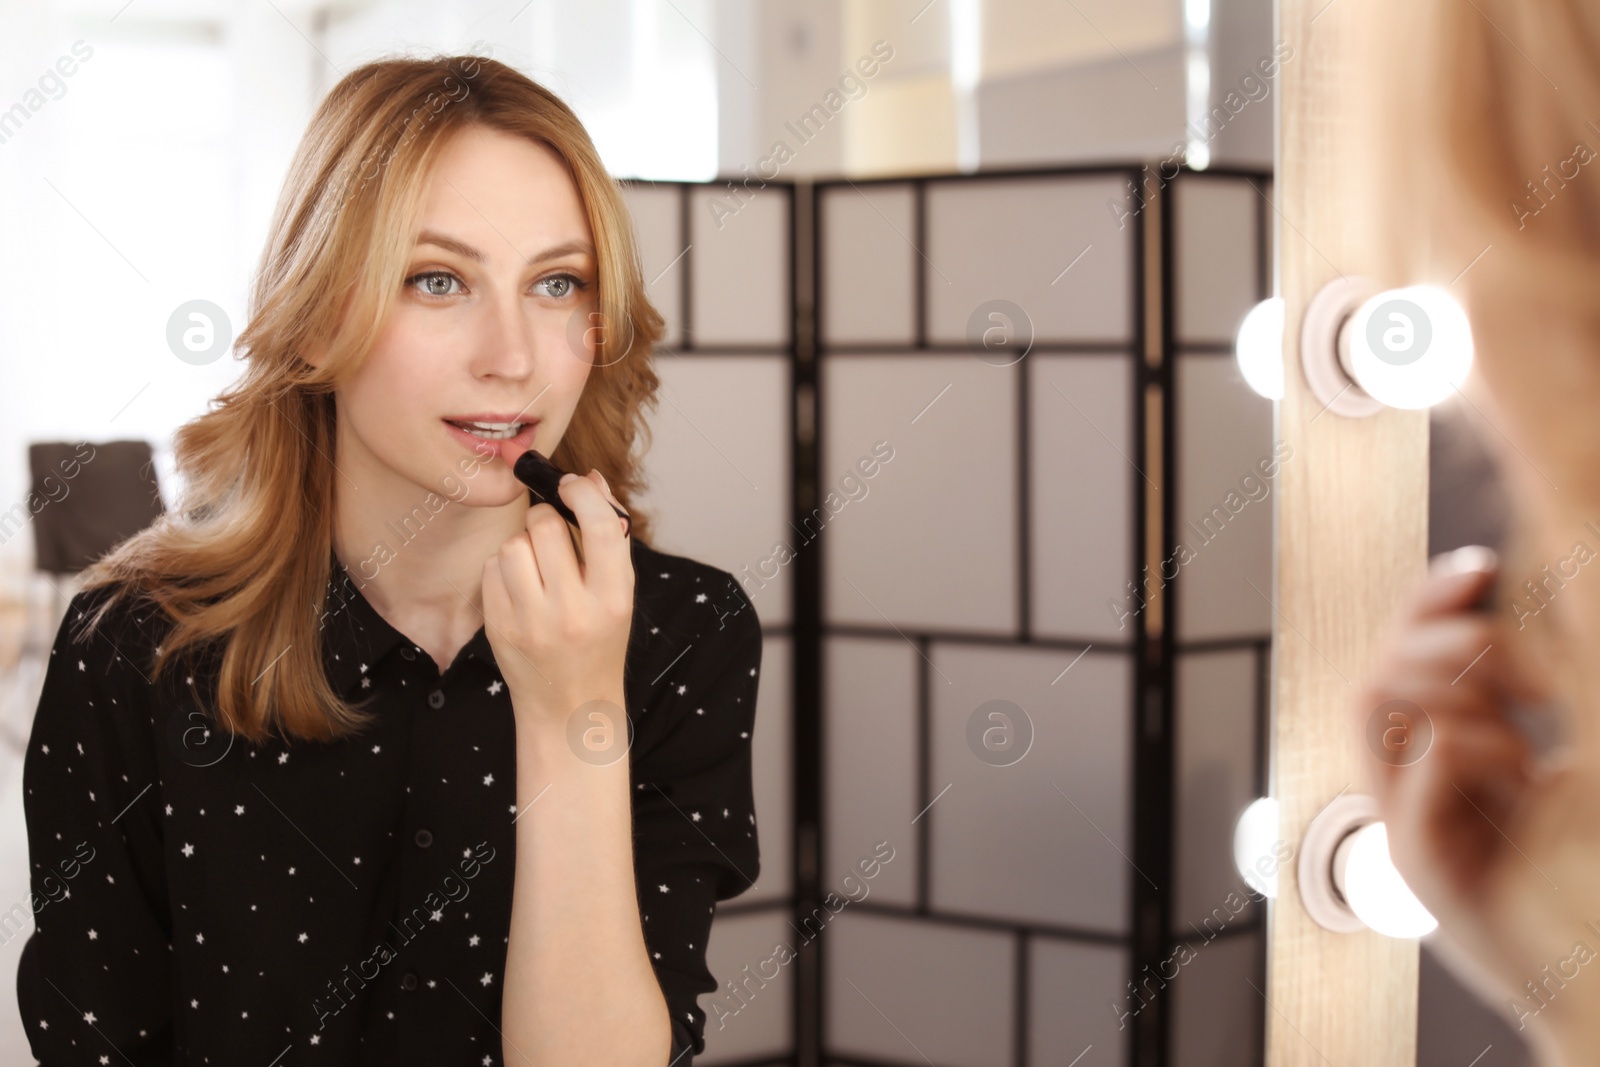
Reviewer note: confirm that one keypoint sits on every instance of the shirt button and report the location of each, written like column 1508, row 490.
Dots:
column 436, row 699
column 408, row 652
column 424, row 838
column 408, row 983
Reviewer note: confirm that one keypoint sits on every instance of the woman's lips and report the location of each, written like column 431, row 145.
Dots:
column 509, row 449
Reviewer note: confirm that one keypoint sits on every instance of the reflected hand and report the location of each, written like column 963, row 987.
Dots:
column 1504, row 853
column 558, row 614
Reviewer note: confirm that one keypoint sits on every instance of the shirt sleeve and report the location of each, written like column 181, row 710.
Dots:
column 694, row 825
column 94, row 979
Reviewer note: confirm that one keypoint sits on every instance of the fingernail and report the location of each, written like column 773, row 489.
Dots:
column 1467, row 558
column 566, row 477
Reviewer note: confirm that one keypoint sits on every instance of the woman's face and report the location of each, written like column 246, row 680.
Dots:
column 489, row 326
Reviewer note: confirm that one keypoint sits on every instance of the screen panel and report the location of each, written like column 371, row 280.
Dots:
column 1055, row 246
column 739, row 266
column 1081, row 498
column 868, row 276
column 931, row 542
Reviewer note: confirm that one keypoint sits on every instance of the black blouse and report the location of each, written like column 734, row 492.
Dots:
column 201, row 900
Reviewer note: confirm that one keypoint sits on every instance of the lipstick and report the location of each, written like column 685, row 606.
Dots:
column 542, row 479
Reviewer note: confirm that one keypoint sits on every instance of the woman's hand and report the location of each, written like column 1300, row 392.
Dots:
column 558, row 616
column 1504, row 853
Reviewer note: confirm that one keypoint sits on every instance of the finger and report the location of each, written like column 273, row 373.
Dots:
column 1399, row 725
column 1456, row 581
column 1446, row 645
column 519, row 573
column 553, row 549
column 1527, row 676
column 626, row 524
column 605, row 548
column 1474, row 751
column 1474, row 761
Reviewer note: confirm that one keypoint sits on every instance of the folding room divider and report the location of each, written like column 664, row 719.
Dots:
column 976, row 449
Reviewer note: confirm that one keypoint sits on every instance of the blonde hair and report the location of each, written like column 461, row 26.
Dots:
column 1485, row 133
column 1478, row 167
column 245, row 558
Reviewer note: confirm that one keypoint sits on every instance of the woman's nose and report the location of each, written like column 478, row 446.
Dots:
column 507, row 346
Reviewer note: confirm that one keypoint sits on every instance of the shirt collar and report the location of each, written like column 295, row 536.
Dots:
column 354, row 635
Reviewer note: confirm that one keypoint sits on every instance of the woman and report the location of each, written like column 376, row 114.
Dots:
column 331, row 764
column 1484, row 128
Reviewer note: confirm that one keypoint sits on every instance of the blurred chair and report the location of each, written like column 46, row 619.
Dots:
column 80, row 509
column 112, row 496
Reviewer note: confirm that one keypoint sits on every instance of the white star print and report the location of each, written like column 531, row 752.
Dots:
column 93, row 936
column 473, row 941
column 701, row 599
column 488, row 779
column 81, row 666
column 663, row 888
column 188, row 849
column 238, row 809
column 199, row 939
column 695, row 816
column 366, row 683
column 487, row 978
column 437, row 916
column 682, row 689
column 283, row 757
column 495, row 687
column 303, row 938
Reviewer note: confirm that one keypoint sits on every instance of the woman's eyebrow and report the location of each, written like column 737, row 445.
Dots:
column 461, row 248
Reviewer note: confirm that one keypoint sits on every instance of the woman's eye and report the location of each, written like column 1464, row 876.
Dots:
column 561, row 285
column 429, row 278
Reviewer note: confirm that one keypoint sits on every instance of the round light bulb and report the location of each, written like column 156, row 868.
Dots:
column 1254, row 839
column 1259, row 348
column 1375, row 891
column 1409, row 348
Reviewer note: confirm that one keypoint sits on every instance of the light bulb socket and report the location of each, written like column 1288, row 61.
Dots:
column 1323, row 853
column 1325, row 350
